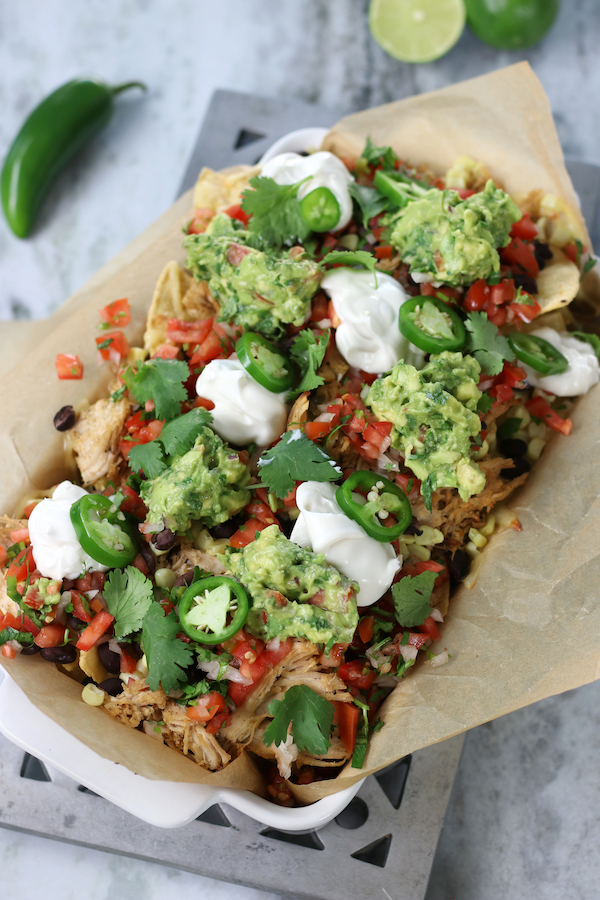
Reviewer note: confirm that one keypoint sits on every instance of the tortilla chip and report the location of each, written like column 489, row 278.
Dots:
column 89, row 662
column 467, row 174
column 558, row 283
column 167, row 303
column 220, row 190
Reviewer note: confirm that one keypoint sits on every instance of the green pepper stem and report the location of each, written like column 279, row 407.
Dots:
column 118, row 88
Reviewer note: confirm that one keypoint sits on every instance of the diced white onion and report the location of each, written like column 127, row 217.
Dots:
column 436, row 615
column 440, row 659
column 15, row 646
column 114, row 647
column 91, row 594
column 149, row 730
column 212, row 670
column 325, row 417
column 408, row 652
column 273, row 644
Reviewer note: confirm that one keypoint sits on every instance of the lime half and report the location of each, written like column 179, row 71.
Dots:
column 511, row 24
column 417, row 31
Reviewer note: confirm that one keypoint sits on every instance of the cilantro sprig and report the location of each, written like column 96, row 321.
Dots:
column 310, row 717
column 412, row 598
column 128, row 594
column 293, row 459
column 375, row 156
column 175, row 439
column 487, row 345
column 351, row 258
column 166, row 654
column 275, row 211
column 308, row 352
column 160, row 380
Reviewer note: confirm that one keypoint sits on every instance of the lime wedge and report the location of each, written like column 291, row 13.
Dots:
column 511, row 24
column 417, row 31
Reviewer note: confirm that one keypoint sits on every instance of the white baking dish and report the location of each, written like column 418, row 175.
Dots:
column 163, row 803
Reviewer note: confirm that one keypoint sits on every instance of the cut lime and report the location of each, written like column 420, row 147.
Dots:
column 511, row 24
column 417, row 31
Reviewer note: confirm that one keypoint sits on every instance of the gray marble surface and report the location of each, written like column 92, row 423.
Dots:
column 523, row 819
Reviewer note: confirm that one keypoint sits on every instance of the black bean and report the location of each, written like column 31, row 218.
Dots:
column 413, row 528
column 520, row 467
column 62, row 655
column 526, row 282
column 226, row 529
column 542, row 253
column 164, row 540
column 68, row 584
column 109, row 659
column 287, row 525
column 512, row 447
column 459, row 565
column 30, row 651
column 134, row 649
column 148, row 556
column 185, row 579
column 64, row 418
column 112, row 686
column 76, row 624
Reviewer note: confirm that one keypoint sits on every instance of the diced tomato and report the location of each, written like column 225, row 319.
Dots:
column 430, row 629
column 236, row 253
column 416, row 640
column 217, row 345
column 333, row 316
column 262, row 512
column 127, row 662
column 449, row 294
column 384, row 252
column 289, row 501
column 204, row 403
column 20, row 534
column 315, row 431
column 572, row 252
column 501, row 392
column 3, row 557
column 524, row 229
column 141, row 564
column 513, row 375
column 200, row 220
column 268, row 659
column 358, row 674
column 117, row 313
column 180, row 332
column 8, row 651
column 215, row 724
column 208, row 706
column 132, row 503
column 150, row 431
column 335, row 657
column 525, row 312
column 79, row 607
column 98, row 579
column 99, row 625
column 246, row 533
column 404, row 479
column 68, row 366
column 22, row 565
column 319, row 308
column 365, row 629
column 463, row 193
column 348, row 715
column 84, row 584
column 50, row 636
column 166, row 351
column 20, row 623
column 29, row 509
column 427, row 565
column 329, row 242
column 95, row 605
column 477, row 296
column 113, row 346
column 236, row 212
column 520, row 255
column 539, row 408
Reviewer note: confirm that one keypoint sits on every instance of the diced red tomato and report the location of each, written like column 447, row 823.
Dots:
column 430, row 629
column 427, row 565
column 404, row 479
column 416, row 640
column 150, row 431
column 384, row 252
column 316, row 431
column 20, row 534
column 132, row 503
column 501, row 392
column 524, row 229
column 348, row 715
column 204, row 403
column 180, row 332
column 99, row 625
column 215, row 724
column 117, row 313
column 524, row 312
column 29, row 509
column 22, row 565
column 571, row 251
column 289, row 501
column 3, row 557
column 141, row 564
column 365, row 629
column 79, row 607
column 513, row 375
column 20, row 623
column 443, row 293
column 520, row 255
column 113, row 346
column 246, row 533
column 166, row 351
column 329, row 242
column 541, row 409
column 358, row 674
column 333, row 316
column 236, row 212
column 50, row 636
column 463, row 193
column 477, row 296
column 127, row 662
column 319, row 308
column 217, row 345
column 8, row 652
column 236, row 253
column 208, row 706
column 267, row 659
column 200, row 220
column 68, row 366
column 262, row 512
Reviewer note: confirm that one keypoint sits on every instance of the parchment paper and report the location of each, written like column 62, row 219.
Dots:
column 531, row 625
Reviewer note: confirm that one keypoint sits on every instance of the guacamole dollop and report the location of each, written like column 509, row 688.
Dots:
column 261, row 290
column 434, row 416
column 455, row 240
column 207, row 484
column 294, row 592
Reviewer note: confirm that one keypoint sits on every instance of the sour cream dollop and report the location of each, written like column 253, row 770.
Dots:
column 583, row 371
column 56, row 550
column 323, row 527
column 245, row 412
column 326, row 170
column 369, row 336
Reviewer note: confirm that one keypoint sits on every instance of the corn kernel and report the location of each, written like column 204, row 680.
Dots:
column 488, row 529
column 421, row 553
column 537, row 431
column 519, row 412
column 92, row 695
column 534, row 449
column 472, row 550
column 165, row 578
column 477, row 538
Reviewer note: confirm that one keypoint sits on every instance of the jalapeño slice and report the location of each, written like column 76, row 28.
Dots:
column 103, row 531
column 207, row 605
column 539, row 354
column 265, row 362
column 431, row 325
column 384, row 498
column 320, row 210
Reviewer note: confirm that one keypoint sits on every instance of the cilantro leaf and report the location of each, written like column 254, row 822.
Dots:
column 308, row 352
column 167, row 656
column 412, row 596
column 160, row 380
column 485, row 342
column 484, row 404
column 128, row 595
column 293, row 459
column 370, row 201
column 275, row 211
column 427, row 488
column 310, row 716
column 148, row 457
column 11, row 634
column 179, row 435
column 191, row 691
column 351, row 258
column 376, row 155
column 508, row 427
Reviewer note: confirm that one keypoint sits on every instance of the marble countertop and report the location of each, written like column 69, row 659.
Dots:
column 523, row 817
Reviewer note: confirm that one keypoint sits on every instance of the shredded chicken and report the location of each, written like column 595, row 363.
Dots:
column 95, row 440
column 185, row 557
column 336, row 754
column 198, row 302
column 298, row 412
column 192, row 738
column 136, row 703
column 285, row 755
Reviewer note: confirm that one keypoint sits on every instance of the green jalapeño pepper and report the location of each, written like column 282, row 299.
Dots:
column 431, row 325
column 208, row 604
column 103, row 531
column 320, row 210
column 53, row 133
column 538, row 353
column 267, row 365
column 384, row 498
